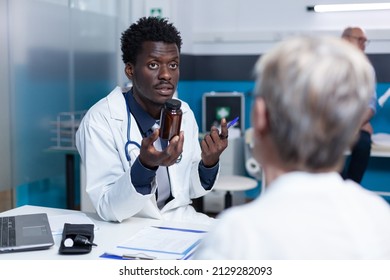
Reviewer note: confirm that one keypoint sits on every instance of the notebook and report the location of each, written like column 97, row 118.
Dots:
column 25, row 233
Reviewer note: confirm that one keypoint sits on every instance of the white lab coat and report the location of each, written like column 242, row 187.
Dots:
column 101, row 140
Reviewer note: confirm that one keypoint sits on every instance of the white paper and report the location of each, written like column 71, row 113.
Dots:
column 384, row 98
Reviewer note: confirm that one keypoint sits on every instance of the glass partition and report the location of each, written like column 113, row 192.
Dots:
column 61, row 57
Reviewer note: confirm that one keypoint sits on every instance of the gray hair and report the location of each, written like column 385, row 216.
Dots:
column 316, row 91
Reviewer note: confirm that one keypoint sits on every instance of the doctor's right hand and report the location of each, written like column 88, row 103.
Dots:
column 152, row 158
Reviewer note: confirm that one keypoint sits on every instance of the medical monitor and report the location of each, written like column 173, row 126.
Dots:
column 218, row 105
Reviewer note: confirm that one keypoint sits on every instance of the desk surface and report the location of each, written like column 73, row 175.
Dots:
column 107, row 236
column 380, row 151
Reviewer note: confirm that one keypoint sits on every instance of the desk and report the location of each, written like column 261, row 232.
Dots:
column 379, row 151
column 107, row 236
column 383, row 152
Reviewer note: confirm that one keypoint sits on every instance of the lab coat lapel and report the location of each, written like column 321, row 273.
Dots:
column 117, row 105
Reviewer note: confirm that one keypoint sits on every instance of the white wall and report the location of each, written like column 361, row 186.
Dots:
column 253, row 26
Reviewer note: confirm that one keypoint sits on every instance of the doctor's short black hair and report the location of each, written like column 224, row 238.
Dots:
column 147, row 29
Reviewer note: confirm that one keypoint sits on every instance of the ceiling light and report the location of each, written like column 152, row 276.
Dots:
column 348, row 7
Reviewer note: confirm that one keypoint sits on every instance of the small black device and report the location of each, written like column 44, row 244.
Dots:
column 77, row 239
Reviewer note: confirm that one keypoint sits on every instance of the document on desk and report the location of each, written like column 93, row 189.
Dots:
column 159, row 243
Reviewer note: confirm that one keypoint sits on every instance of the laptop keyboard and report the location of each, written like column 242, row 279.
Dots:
column 7, row 231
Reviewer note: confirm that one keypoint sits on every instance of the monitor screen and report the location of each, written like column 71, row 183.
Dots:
column 218, row 105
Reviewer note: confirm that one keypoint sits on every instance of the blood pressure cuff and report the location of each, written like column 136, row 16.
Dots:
column 77, row 239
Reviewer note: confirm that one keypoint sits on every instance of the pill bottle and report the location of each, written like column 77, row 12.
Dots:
column 170, row 119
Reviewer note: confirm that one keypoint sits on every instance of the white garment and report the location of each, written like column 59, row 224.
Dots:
column 304, row 216
column 101, row 140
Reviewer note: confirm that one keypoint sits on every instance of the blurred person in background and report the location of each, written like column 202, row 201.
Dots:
column 356, row 166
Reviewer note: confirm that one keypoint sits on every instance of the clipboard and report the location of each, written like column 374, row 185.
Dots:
column 158, row 243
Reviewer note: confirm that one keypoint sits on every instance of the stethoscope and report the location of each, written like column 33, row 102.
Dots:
column 131, row 142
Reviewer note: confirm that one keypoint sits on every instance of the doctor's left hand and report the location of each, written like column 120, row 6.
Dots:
column 152, row 158
column 214, row 144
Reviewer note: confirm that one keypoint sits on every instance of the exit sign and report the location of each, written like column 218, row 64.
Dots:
column 156, row 12
column 157, row 8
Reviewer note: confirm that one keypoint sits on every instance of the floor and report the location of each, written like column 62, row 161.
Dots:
column 5, row 200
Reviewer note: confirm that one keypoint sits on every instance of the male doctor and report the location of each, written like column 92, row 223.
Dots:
column 129, row 170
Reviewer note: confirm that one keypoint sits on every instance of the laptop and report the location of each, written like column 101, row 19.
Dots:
column 25, row 233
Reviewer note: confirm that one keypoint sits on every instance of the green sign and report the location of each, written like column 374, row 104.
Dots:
column 156, row 12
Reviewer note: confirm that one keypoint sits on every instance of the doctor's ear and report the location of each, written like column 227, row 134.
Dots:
column 129, row 70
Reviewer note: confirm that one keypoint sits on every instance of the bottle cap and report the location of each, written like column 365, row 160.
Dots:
column 173, row 104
